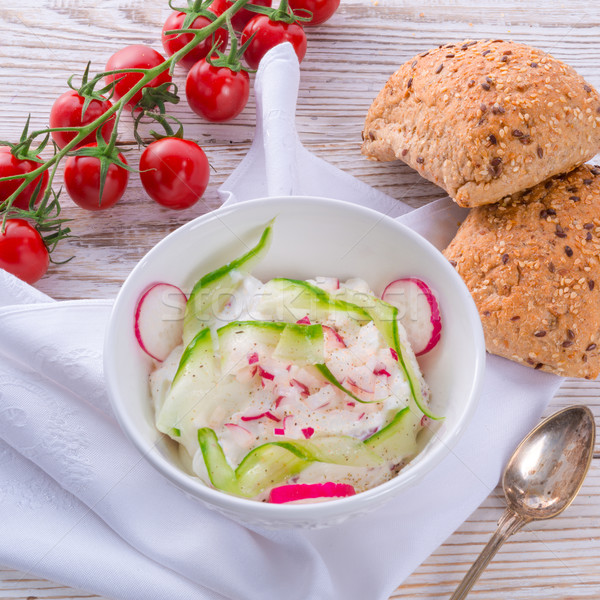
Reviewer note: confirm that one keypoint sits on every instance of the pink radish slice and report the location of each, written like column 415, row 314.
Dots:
column 159, row 320
column 307, row 491
column 308, row 432
column 332, row 338
column 353, row 387
column 303, row 388
column 267, row 414
column 418, row 311
column 253, row 358
column 303, row 321
column 265, row 375
column 241, row 435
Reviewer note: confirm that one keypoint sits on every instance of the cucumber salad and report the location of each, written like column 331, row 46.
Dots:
column 289, row 390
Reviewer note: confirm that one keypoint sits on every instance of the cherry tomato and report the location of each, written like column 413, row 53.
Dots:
column 9, row 166
column 174, row 172
column 66, row 112
column 173, row 43
column 137, row 56
column 22, row 251
column 241, row 17
column 216, row 93
column 268, row 35
column 82, row 181
column 321, row 9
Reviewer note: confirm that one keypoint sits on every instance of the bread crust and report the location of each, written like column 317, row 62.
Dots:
column 484, row 119
column 532, row 265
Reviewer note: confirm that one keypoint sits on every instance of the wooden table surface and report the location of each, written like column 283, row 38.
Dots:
column 349, row 58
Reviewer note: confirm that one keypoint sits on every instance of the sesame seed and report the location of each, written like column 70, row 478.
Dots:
column 504, row 59
column 450, row 55
column 414, row 64
column 485, row 52
column 492, row 139
column 517, row 133
column 540, row 152
column 420, row 160
column 587, row 182
column 507, row 52
column 590, row 347
column 439, row 69
column 591, row 284
column 405, row 152
column 540, row 333
column 534, row 65
column 567, row 344
column 409, row 83
column 587, row 88
column 483, row 107
column 560, row 232
column 570, row 334
column 575, row 198
column 538, row 366
column 504, row 259
column 486, row 86
column 588, row 226
column 568, row 251
column 515, row 318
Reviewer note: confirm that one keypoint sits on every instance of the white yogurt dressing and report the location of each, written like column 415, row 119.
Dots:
column 285, row 401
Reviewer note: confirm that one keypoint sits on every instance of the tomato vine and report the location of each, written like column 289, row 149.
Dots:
column 44, row 206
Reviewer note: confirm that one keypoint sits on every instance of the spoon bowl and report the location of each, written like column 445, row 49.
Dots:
column 547, row 469
column 541, row 479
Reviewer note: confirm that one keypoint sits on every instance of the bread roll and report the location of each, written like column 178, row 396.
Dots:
column 484, row 119
column 532, row 265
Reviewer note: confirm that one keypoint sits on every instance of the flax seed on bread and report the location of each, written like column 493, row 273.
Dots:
column 484, row 119
column 532, row 265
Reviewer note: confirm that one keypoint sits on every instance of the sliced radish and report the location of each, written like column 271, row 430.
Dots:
column 281, row 430
column 241, row 435
column 267, row 414
column 303, row 321
column 303, row 388
column 381, row 370
column 158, row 321
column 308, row 432
column 418, row 311
column 265, row 375
column 307, row 491
column 352, row 386
column 333, row 339
column 253, row 358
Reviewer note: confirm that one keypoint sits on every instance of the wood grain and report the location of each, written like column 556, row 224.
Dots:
column 43, row 42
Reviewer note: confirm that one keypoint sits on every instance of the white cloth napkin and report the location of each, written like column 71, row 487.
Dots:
column 79, row 505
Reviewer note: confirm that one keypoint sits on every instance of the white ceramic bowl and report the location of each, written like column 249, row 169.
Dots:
column 312, row 236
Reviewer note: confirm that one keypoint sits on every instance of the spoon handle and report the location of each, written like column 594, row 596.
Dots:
column 508, row 524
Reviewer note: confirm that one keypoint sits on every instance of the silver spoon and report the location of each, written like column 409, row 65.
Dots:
column 541, row 479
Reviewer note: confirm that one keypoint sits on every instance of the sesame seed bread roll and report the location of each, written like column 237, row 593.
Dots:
column 532, row 265
column 484, row 119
